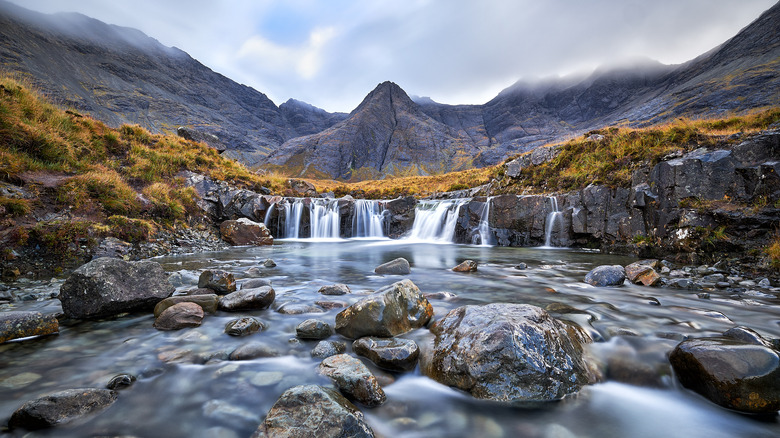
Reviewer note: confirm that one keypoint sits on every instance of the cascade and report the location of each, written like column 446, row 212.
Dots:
column 554, row 217
column 368, row 219
column 324, row 218
column 435, row 220
column 292, row 218
column 484, row 227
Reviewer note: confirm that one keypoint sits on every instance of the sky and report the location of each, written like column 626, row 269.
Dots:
column 331, row 53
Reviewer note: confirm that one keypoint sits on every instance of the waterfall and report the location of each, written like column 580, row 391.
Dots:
column 554, row 217
column 324, row 219
column 368, row 219
column 435, row 220
column 292, row 218
column 484, row 227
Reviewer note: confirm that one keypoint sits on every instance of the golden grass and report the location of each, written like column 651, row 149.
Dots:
column 773, row 253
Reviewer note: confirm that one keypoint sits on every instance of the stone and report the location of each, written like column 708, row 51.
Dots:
column 746, row 335
column 399, row 266
column 302, row 188
column 248, row 299
column 207, row 302
column 328, row 305
column 106, row 287
column 121, row 381
column 394, row 354
column 254, row 283
column 245, row 232
column 508, row 353
column 313, row 329
column 179, row 316
column 606, row 275
column 221, row 282
column 764, row 283
column 520, row 266
column 61, row 407
column 353, row 379
column 244, row 326
column 291, row 308
column 731, row 373
column 313, row 411
column 17, row 324
column 335, row 289
column 649, row 278
column 466, row 266
column 269, row 263
column 390, row 311
column 252, row 350
column 328, row 348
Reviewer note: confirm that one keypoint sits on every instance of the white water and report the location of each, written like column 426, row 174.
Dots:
column 553, row 218
column 324, row 219
column 435, row 220
column 368, row 219
column 292, row 218
column 484, row 227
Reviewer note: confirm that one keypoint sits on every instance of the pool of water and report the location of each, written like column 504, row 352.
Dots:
column 184, row 390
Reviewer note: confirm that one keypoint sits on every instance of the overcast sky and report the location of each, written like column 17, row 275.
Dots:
column 331, row 53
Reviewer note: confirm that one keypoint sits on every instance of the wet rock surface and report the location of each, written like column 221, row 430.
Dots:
column 22, row 324
column 391, row 310
column 106, row 287
column 313, row 329
column 61, row 407
column 328, row 348
column 179, row 316
column 221, row 282
column 394, row 354
column 606, row 276
column 353, row 379
column 208, row 302
column 244, row 326
column 248, row 299
column 506, row 352
column 335, row 289
column 466, row 266
column 245, row 232
column 399, row 266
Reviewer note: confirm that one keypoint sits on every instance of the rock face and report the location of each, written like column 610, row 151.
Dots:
column 390, row 311
column 313, row 411
column 248, row 299
column 61, row 407
column 208, row 302
column 399, row 266
column 179, row 316
column 106, row 287
column 394, row 354
column 221, row 282
column 354, row 380
column 732, row 373
column 606, row 275
column 245, row 232
column 21, row 324
column 506, row 352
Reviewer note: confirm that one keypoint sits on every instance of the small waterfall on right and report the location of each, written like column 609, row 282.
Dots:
column 553, row 218
column 435, row 220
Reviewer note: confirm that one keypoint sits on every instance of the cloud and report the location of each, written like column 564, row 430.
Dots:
column 275, row 59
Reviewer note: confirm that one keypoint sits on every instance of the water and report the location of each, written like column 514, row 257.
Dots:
column 325, row 219
column 178, row 394
column 485, row 238
column 368, row 219
column 293, row 210
column 553, row 219
column 434, row 221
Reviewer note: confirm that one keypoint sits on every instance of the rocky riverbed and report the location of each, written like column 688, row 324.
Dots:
column 206, row 379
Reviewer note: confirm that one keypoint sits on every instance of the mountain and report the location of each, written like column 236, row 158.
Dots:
column 120, row 75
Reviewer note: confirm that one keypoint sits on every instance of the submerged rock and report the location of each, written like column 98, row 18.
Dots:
column 121, row 381
column 252, row 350
column 313, row 329
column 106, row 287
column 313, row 411
column 507, row 352
column 394, row 354
column 269, row 263
column 399, row 266
column 353, row 379
column 606, row 275
column 248, row 299
column 61, row 407
column 244, row 231
column 179, row 316
column 744, row 376
column 254, row 283
column 466, row 266
column 221, row 282
column 21, row 324
column 243, row 326
column 391, row 310
column 207, row 302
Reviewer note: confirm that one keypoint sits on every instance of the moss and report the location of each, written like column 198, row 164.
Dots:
column 15, row 206
column 129, row 229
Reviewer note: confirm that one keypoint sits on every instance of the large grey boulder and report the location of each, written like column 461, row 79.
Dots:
column 606, row 275
column 313, row 411
column 106, row 287
column 391, row 310
column 23, row 324
column 399, row 266
column 508, row 353
column 61, row 407
column 353, row 379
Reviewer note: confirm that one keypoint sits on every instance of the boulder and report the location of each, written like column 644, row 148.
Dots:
column 353, row 379
column 303, row 188
column 245, row 232
column 394, row 354
column 508, row 353
column 252, row 350
column 243, row 326
column 106, row 287
column 221, row 282
column 313, row 329
column 391, row 310
column 207, row 302
column 179, row 316
column 744, row 376
column 642, row 272
column 23, row 324
column 269, row 263
column 248, row 299
column 328, row 348
column 466, row 266
column 335, row 289
column 61, row 407
column 313, row 411
column 606, row 275
column 399, row 266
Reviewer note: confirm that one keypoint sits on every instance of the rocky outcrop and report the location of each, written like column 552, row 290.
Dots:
column 507, row 352
column 391, row 310
column 23, row 324
column 244, row 231
column 106, row 287
column 61, row 407
column 312, row 410
column 210, row 140
column 353, row 379
column 401, row 216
